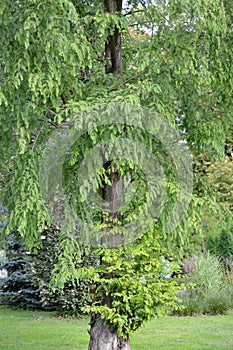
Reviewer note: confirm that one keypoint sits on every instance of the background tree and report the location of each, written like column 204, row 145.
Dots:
column 225, row 245
column 16, row 288
column 29, row 275
column 59, row 57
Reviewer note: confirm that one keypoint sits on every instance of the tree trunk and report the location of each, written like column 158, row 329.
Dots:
column 113, row 46
column 101, row 336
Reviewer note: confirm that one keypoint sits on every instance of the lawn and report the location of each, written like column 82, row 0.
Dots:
column 33, row 330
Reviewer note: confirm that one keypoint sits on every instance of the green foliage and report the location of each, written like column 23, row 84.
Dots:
column 222, row 245
column 219, row 175
column 211, row 292
column 211, row 244
column 70, row 299
column 172, row 68
column 225, row 245
column 27, row 284
column 131, row 277
column 26, row 200
column 16, row 289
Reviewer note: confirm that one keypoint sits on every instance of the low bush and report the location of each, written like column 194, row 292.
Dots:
column 209, row 290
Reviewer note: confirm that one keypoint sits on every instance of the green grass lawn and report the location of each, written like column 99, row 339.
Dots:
column 33, row 330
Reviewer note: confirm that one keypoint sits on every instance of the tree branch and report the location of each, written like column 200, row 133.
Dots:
column 129, row 79
column 132, row 12
column 63, row 99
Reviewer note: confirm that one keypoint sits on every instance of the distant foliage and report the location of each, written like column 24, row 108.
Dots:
column 211, row 244
column 219, row 174
column 16, row 289
column 225, row 244
column 27, row 283
column 222, row 245
column 211, row 292
column 73, row 296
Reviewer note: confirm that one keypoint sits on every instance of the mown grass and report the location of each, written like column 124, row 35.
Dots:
column 33, row 330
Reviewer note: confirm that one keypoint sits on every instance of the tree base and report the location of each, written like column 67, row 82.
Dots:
column 102, row 338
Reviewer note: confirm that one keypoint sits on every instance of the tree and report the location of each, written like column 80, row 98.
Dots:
column 65, row 64
column 25, row 278
column 16, row 288
column 216, row 178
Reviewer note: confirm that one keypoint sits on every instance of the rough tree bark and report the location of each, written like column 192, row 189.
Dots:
column 101, row 336
column 113, row 51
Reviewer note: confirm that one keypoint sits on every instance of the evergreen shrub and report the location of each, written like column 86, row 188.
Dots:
column 29, row 276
